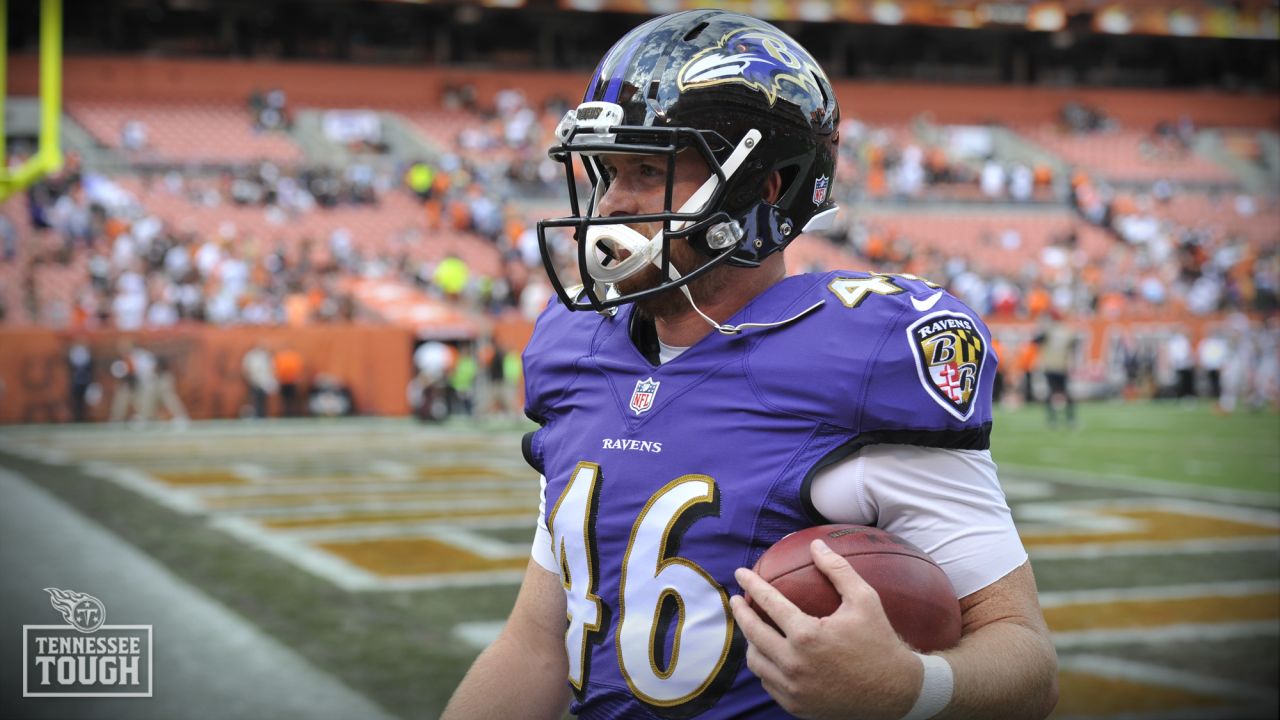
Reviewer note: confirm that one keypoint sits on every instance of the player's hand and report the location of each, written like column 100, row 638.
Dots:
column 850, row 664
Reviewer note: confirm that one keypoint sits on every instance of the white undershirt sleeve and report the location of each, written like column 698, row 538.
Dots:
column 948, row 503
column 542, row 551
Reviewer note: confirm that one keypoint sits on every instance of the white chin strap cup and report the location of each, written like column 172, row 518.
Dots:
column 637, row 251
column 640, row 250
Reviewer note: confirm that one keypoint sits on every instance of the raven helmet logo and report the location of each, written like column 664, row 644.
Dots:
column 759, row 58
column 83, row 611
column 949, row 352
column 642, row 396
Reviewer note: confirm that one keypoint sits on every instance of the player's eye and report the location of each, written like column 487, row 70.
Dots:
column 651, row 170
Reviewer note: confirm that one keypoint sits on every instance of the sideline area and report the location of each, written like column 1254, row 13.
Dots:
column 207, row 659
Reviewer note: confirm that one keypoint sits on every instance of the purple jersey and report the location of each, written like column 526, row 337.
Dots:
column 662, row 480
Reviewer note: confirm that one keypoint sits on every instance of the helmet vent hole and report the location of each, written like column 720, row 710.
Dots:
column 653, row 90
column 695, row 32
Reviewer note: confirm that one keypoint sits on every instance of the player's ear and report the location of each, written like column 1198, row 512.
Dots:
column 772, row 187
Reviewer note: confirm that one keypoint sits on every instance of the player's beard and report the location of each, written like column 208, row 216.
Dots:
column 673, row 302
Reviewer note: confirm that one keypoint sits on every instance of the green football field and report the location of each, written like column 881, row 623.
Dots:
column 386, row 553
column 1187, row 443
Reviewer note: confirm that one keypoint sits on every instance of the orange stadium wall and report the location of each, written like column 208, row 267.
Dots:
column 374, row 362
column 337, row 85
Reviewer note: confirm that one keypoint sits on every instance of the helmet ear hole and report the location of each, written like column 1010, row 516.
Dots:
column 787, row 176
column 773, row 188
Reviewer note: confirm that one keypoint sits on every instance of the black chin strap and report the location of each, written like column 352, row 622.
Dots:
column 644, row 334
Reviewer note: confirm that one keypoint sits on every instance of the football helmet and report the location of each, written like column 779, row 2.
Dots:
column 738, row 91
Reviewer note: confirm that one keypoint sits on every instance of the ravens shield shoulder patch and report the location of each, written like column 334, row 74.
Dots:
column 950, row 353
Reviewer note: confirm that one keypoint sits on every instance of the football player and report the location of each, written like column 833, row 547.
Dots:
column 696, row 405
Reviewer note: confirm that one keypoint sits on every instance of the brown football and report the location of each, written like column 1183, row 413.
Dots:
column 916, row 594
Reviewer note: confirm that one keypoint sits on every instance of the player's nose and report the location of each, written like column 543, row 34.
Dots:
column 616, row 201
column 620, row 198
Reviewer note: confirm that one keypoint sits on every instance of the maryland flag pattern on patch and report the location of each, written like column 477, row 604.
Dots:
column 949, row 352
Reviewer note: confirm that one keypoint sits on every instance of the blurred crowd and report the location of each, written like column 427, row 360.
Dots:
column 493, row 180
column 143, row 272
column 922, row 161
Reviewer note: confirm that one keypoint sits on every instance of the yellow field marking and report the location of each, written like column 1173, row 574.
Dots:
column 355, row 519
column 1156, row 525
column 1083, row 694
column 352, row 478
column 358, row 496
column 217, row 449
column 209, row 477
column 416, row 556
column 1167, row 611
column 273, row 446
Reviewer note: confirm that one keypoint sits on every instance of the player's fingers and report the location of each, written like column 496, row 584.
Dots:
column 761, row 664
column 774, row 679
column 760, row 635
column 847, row 581
column 782, row 611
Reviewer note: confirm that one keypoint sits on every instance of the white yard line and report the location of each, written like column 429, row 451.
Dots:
column 343, row 509
column 1136, row 483
column 1238, row 588
column 1156, row 547
column 318, row 562
column 380, row 485
column 1090, row 515
column 1148, row 674
column 173, row 498
column 391, row 469
column 1180, row 632
column 478, row 635
column 1026, row 489
column 250, row 471
column 441, row 581
column 452, row 531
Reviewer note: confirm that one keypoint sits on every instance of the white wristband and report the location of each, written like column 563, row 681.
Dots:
column 935, row 691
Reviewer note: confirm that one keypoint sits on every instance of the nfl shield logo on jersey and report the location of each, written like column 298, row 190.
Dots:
column 820, row 189
column 950, row 353
column 642, row 397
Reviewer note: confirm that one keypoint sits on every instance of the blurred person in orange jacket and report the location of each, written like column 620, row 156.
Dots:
column 288, row 365
column 1028, row 356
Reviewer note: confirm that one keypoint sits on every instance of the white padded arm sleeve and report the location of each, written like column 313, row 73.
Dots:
column 949, row 503
column 542, row 551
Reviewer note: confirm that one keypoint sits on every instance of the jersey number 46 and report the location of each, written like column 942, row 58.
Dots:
column 655, row 590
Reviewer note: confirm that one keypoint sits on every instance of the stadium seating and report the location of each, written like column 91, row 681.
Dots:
column 202, row 122
column 1126, row 156
column 372, row 228
column 185, row 132
column 976, row 237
